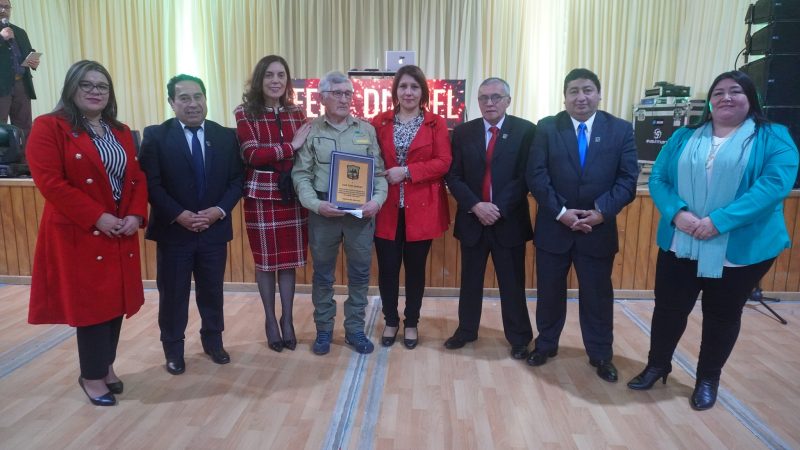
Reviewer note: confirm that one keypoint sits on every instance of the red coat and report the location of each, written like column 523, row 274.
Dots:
column 428, row 160
column 80, row 276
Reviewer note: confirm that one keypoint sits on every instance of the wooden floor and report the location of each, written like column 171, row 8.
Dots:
column 428, row 398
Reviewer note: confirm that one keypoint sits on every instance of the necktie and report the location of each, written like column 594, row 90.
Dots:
column 487, row 175
column 198, row 163
column 582, row 142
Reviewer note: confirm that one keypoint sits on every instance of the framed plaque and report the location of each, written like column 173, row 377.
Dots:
column 351, row 180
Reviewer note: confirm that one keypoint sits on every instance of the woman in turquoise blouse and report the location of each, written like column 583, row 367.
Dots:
column 719, row 187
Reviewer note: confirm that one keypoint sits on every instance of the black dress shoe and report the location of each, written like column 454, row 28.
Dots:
column 519, row 351
column 219, row 355
column 538, row 357
column 605, row 369
column 290, row 344
column 410, row 344
column 704, row 395
column 456, row 341
column 106, row 399
column 176, row 366
column 115, row 387
column 648, row 378
column 388, row 341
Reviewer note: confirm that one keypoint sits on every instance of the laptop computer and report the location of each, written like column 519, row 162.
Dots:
column 396, row 59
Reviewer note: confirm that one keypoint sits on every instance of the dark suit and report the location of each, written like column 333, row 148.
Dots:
column 607, row 182
column 19, row 107
column 166, row 159
column 505, row 239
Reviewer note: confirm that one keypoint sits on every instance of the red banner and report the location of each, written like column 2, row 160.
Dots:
column 372, row 96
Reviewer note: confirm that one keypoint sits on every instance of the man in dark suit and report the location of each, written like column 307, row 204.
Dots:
column 194, row 179
column 487, row 179
column 582, row 172
column 16, row 83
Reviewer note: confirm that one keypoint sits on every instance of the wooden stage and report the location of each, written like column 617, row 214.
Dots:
column 427, row 398
column 633, row 276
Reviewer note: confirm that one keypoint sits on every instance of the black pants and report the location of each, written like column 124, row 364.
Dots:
column 413, row 256
column 177, row 263
column 676, row 291
column 595, row 300
column 97, row 347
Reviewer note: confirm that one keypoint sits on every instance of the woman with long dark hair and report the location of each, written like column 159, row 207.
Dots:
column 719, row 187
column 271, row 129
column 86, row 270
column 415, row 146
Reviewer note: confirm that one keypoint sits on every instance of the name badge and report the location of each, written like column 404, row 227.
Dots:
column 360, row 138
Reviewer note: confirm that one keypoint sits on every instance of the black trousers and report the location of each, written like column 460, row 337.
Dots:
column 412, row 256
column 97, row 347
column 509, row 264
column 177, row 263
column 595, row 300
column 676, row 291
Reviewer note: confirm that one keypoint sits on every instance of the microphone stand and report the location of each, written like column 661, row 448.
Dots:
column 758, row 296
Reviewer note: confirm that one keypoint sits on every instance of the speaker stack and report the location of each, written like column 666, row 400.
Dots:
column 776, row 74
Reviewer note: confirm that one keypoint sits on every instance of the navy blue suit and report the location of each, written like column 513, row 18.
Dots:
column 166, row 159
column 607, row 182
column 505, row 239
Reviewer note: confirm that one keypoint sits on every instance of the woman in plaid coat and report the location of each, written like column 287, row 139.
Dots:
column 270, row 129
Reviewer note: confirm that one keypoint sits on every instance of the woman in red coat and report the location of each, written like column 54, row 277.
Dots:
column 270, row 130
column 415, row 146
column 86, row 270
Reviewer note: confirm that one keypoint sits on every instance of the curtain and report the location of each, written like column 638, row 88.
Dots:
column 531, row 44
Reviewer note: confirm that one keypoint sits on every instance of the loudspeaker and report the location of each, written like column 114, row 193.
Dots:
column 790, row 117
column 777, row 37
column 771, row 10
column 775, row 77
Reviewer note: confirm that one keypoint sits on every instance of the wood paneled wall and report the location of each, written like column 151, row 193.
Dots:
column 634, row 267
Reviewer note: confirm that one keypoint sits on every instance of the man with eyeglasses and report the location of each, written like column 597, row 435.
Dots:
column 582, row 172
column 487, row 179
column 16, row 82
column 194, row 180
column 328, row 226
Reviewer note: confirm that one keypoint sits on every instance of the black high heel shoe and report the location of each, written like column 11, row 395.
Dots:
column 388, row 341
column 410, row 344
column 704, row 395
column 116, row 387
column 291, row 343
column 275, row 345
column 106, row 399
column 648, row 378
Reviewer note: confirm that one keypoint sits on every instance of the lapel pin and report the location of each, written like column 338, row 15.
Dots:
column 208, row 143
column 505, row 135
column 597, row 139
column 74, row 134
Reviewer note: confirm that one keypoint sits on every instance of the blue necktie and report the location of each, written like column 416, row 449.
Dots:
column 582, row 142
column 198, row 163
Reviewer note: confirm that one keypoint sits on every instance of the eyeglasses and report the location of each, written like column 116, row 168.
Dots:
column 5, row 7
column 341, row 94
column 494, row 98
column 88, row 87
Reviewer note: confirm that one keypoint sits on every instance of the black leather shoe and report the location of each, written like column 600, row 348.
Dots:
column 648, row 378
column 116, row 387
column 290, row 344
column 539, row 357
column 275, row 346
column 388, row 341
column 410, row 344
column 704, row 395
column 605, row 369
column 106, row 399
column 519, row 351
column 456, row 341
column 219, row 355
column 176, row 366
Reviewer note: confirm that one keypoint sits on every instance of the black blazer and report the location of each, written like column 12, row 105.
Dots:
column 7, row 72
column 607, row 181
column 509, row 191
column 166, row 159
